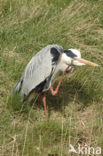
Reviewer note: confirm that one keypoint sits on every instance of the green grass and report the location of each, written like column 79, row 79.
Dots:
column 75, row 115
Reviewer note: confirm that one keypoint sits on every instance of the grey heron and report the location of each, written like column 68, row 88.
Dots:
column 42, row 70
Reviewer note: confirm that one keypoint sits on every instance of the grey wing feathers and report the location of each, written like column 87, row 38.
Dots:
column 38, row 69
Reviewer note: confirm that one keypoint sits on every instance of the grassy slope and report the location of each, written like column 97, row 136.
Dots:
column 76, row 113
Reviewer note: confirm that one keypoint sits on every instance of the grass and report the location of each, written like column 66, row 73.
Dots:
column 75, row 115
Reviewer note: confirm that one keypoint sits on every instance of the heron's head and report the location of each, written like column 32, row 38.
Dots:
column 74, row 58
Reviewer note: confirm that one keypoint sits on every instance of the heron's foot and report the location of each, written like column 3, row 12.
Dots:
column 70, row 69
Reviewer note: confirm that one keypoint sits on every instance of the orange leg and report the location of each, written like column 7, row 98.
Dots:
column 44, row 103
column 54, row 92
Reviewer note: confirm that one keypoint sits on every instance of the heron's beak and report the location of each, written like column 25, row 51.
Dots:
column 85, row 62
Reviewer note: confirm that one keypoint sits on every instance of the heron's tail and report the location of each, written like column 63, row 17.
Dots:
column 17, row 86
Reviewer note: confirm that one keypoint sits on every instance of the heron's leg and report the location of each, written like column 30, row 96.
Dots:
column 44, row 103
column 54, row 92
